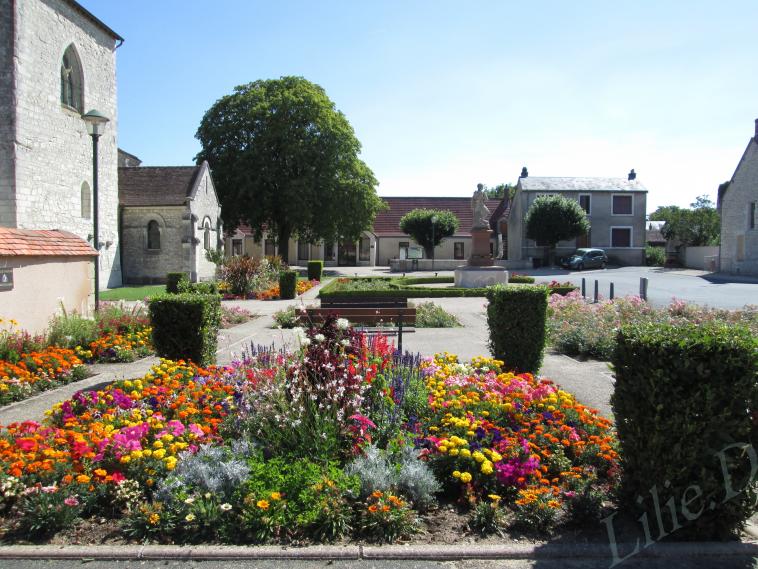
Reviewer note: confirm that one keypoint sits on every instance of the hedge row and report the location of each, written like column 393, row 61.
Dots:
column 686, row 407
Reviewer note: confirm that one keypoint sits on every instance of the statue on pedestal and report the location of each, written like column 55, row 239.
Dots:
column 481, row 212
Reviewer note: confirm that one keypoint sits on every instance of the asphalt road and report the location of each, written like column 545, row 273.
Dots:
column 696, row 287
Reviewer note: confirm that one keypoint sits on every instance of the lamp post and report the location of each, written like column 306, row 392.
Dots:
column 95, row 122
column 434, row 223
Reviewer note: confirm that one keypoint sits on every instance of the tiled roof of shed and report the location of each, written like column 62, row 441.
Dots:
column 43, row 243
column 557, row 184
column 388, row 221
column 156, row 185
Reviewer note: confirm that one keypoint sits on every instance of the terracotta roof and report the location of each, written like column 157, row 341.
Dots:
column 43, row 243
column 388, row 221
column 156, row 185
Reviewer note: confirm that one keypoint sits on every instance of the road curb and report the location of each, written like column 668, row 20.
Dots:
column 387, row 552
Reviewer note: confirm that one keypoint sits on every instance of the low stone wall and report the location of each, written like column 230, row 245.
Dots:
column 410, row 265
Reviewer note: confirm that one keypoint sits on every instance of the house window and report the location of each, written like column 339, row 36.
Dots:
column 584, row 202
column 236, row 247
column 86, row 201
column 207, row 235
column 303, row 250
column 269, row 248
column 751, row 218
column 153, row 236
column 364, row 250
column 621, row 236
column 458, row 250
column 622, row 205
column 71, row 80
column 403, row 249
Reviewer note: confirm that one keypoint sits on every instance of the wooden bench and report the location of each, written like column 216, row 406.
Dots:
column 365, row 315
column 364, row 302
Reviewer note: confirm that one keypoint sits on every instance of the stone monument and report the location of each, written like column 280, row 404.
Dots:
column 481, row 270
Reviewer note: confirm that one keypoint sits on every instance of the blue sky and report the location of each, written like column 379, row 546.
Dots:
column 444, row 95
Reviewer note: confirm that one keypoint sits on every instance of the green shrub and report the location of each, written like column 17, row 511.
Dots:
column 172, row 282
column 205, row 287
column 655, row 256
column 71, row 330
column 685, row 402
column 287, row 317
column 315, row 268
column 375, row 288
column 520, row 279
column 287, row 284
column 241, row 274
column 516, row 316
column 430, row 315
column 185, row 326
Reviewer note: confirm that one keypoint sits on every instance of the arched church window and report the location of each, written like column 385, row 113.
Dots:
column 153, row 235
column 72, row 80
column 86, row 199
column 207, row 235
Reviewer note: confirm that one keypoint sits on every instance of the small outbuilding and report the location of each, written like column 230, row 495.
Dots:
column 169, row 217
column 43, row 272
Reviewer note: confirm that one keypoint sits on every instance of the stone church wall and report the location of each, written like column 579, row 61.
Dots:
column 205, row 206
column 53, row 152
column 8, row 114
column 144, row 266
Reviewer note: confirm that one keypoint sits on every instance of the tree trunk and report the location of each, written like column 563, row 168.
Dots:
column 284, row 243
column 429, row 252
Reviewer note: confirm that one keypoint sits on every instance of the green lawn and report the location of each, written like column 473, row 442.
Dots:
column 132, row 292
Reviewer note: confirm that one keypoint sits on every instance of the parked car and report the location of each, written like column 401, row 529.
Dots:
column 585, row 259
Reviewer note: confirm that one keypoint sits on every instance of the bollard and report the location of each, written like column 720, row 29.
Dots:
column 643, row 288
column 597, row 292
column 400, row 328
column 584, row 289
column 611, row 295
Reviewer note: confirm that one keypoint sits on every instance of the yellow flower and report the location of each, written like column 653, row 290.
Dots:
column 465, row 477
column 478, row 456
column 465, row 452
column 275, row 496
column 83, row 479
column 495, row 497
column 456, row 474
column 262, row 504
column 153, row 519
column 159, row 454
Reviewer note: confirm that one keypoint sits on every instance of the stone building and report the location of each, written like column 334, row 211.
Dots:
column 57, row 61
column 384, row 243
column 169, row 217
column 737, row 202
column 615, row 207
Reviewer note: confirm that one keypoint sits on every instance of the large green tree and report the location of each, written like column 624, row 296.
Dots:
column 555, row 218
column 418, row 224
column 286, row 160
column 699, row 225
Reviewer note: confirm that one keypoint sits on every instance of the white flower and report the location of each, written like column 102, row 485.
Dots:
column 345, row 342
column 319, row 337
column 225, row 507
column 342, row 323
column 189, row 517
column 189, row 500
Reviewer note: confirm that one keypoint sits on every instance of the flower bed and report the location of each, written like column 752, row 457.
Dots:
column 272, row 292
column 38, row 371
column 118, row 347
column 342, row 439
column 578, row 327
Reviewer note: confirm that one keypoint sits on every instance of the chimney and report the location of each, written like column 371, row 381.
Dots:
column 525, row 172
column 632, row 175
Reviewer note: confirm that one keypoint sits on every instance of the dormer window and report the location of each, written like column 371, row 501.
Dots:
column 71, row 80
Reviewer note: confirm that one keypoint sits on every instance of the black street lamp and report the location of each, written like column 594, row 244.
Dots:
column 95, row 127
column 434, row 222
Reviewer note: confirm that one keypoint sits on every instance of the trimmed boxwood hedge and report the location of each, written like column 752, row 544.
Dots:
column 315, row 269
column 287, row 284
column 520, row 279
column 185, row 326
column 686, row 406
column 172, row 282
column 517, row 316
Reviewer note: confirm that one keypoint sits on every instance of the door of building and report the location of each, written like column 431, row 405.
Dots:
column 346, row 254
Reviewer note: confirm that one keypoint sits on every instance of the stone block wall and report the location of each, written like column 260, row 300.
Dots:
column 204, row 206
column 8, row 114
column 53, row 152
column 143, row 266
column 735, row 222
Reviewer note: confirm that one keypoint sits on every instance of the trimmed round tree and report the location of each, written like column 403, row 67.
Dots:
column 418, row 224
column 551, row 219
column 284, row 159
